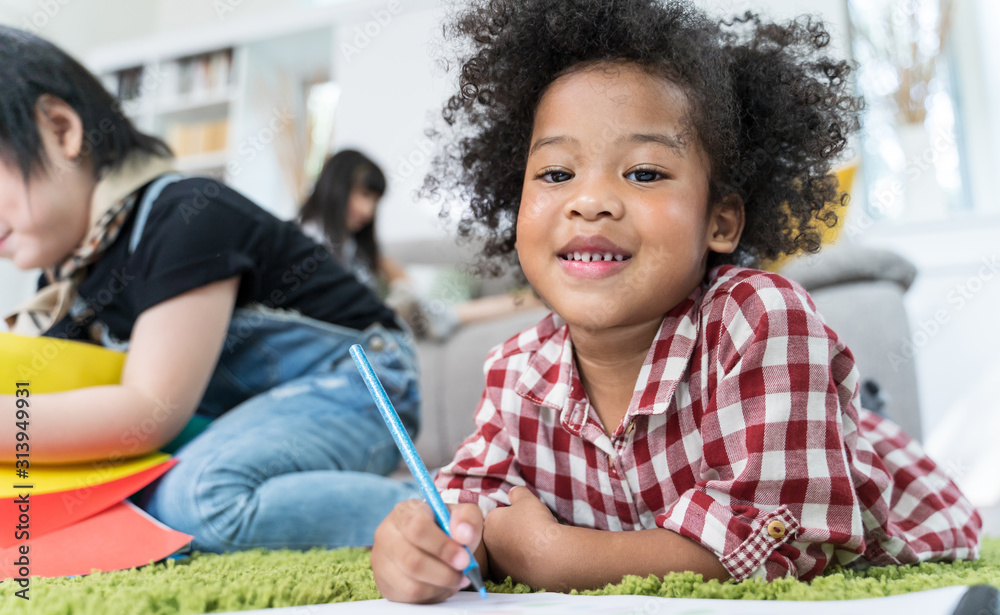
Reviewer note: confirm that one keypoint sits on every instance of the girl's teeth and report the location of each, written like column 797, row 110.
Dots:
column 590, row 257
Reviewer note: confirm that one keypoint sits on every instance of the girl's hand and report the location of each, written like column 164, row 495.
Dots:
column 522, row 538
column 413, row 560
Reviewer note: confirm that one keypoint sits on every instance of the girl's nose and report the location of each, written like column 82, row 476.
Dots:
column 594, row 200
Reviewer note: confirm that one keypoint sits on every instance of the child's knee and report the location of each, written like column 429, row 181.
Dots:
column 207, row 505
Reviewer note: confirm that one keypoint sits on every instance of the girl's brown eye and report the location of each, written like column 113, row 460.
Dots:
column 556, row 177
column 644, row 175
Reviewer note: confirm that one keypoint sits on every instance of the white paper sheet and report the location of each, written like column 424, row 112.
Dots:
column 931, row 602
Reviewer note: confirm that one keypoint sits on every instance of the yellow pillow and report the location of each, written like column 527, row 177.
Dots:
column 845, row 178
column 50, row 365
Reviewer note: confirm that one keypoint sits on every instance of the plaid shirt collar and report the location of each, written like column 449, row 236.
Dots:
column 551, row 379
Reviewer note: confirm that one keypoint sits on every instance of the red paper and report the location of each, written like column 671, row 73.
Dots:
column 120, row 537
column 48, row 512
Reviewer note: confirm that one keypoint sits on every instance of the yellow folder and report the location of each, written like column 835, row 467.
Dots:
column 50, row 365
column 60, row 478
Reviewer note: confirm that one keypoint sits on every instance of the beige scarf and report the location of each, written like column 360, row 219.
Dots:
column 114, row 199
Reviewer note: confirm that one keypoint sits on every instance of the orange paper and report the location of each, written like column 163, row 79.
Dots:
column 48, row 512
column 120, row 537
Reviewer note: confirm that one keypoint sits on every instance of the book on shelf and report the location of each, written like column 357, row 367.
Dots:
column 130, row 83
column 195, row 138
column 203, row 74
column 188, row 78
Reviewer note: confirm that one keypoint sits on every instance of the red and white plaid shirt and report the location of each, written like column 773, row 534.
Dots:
column 744, row 434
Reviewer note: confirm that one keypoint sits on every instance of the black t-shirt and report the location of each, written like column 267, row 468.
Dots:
column 199, row 231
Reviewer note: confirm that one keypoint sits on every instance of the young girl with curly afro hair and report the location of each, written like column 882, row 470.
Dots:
column 678, row 409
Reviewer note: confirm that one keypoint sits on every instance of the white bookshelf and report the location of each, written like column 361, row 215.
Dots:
column 230, row 98
column 188, row 101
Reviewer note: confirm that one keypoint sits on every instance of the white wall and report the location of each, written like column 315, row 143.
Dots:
column 986, row 48
column 79, row 26
column 392, row 92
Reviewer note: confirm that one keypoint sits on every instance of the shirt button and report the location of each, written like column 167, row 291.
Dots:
column 376, row 343
column 776, row 529
column 630, row 428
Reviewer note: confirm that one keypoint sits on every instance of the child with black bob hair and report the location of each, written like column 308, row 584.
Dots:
column 236, row 326
column 638, row 157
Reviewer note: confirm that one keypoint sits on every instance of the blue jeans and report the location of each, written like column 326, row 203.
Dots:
column 298, row 455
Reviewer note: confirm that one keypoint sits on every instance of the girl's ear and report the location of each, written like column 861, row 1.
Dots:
column 60, row 127
column 725, row 225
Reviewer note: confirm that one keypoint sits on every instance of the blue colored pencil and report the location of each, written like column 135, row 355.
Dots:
column 412, row 459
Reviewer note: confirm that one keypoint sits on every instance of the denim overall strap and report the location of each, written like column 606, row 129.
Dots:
column 146, row 205
column 141, row 217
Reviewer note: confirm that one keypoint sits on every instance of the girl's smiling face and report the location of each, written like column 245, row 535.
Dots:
column 43, row 219
column 615, row 224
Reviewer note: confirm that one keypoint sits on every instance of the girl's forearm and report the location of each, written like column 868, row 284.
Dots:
column 583, row 558
column 89, row 424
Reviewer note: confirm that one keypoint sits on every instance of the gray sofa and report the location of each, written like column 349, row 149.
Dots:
column 859, row 292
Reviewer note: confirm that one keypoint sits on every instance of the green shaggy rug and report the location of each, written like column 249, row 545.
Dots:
column 207, row 583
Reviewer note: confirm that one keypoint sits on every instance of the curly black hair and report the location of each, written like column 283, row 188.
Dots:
column 770, row 111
